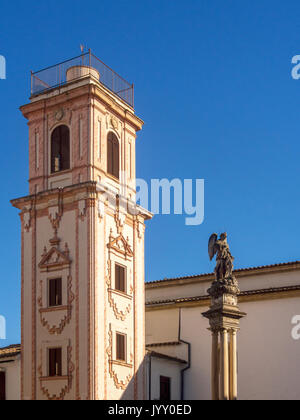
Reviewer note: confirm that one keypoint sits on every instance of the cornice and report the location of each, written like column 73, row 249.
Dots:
column 77, row 191
column 90, row 89
column 246, row 296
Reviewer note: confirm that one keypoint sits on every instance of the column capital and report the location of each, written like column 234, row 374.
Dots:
column 214, row 330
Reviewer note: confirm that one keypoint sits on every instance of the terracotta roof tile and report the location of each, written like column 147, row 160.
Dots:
column 237, row 271
column 173, row 343
column 12, row 350
column 165, row 356
column 206, row 297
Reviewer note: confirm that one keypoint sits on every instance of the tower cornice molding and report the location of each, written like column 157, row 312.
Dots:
column 78, row 191
column 69, row 197
column 90, row 91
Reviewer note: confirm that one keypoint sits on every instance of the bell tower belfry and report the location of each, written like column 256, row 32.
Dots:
column 82, row 238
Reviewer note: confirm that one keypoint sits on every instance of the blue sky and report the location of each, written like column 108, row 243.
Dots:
column 213, row 84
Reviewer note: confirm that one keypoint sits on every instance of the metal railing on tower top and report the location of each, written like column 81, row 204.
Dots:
column 86, row 63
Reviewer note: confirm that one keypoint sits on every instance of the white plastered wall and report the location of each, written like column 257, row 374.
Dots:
column 162, row 367
column 12, row 378
column 268, row 356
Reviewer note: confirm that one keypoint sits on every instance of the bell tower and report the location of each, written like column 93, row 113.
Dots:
column 82, row 238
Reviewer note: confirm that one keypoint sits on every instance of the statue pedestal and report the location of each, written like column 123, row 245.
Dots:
column 224, row 319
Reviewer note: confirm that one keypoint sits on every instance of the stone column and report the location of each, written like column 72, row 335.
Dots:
column 224, row 388
column 233, row 365
column 230, row 366
column 224, row 317
column 215, row 366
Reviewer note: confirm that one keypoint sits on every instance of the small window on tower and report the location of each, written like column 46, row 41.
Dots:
column 55, row 292
column 113, row 155
column 60, row 149
column 55, row 362
column 120, row 278
column 121, row 347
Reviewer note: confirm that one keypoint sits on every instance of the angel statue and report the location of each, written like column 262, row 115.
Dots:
column 224, row 267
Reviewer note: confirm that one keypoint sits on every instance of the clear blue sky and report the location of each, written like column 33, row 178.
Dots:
column 213, row 84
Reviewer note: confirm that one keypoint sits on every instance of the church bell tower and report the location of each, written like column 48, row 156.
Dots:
column 82, row 238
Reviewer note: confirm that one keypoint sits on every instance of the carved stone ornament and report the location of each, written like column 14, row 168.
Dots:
column 55, row 213
column 120, row 245
column 56, row 260
column 26, row 219
column 65, row 382
column 120, row 314
column 65, row 311
column 54, row 257
column 101, row 209
column 119, row 216
column 82, row 209
column 59, row 114
column 114, row 123
column 219, row 288
column 119, row 383
column 140, row 230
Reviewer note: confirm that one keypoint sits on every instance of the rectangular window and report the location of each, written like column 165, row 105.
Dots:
column 121, row 347
column 120, row 278
column 55, row 292
column 165, row 388
column 55, row 362
column 2, row 386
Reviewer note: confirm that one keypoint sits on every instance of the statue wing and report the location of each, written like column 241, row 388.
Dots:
column 212, row 245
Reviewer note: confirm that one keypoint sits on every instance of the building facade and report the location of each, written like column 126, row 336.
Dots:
column 268, row 351
column 82, row 248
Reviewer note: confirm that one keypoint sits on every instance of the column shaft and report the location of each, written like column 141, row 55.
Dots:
column 233, row 365
column 224, row 391
column 215, row 366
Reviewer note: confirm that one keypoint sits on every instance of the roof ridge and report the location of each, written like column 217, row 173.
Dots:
column 166, row 356
column 238, row 270
column 11, row 346
column 171, row 343
column 205, row 297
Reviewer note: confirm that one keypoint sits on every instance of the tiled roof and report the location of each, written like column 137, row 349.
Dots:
column 292, row 264
column 178, row 300
column 10, row 351
column 165, row 356
column 206, row 297
column 173, row 343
